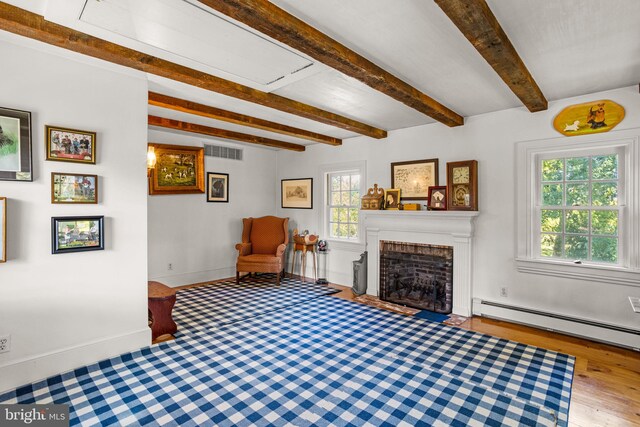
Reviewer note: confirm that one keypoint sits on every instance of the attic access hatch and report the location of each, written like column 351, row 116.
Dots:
column 194, row 32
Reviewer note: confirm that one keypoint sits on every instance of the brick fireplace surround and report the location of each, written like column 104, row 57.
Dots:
column 445, row 228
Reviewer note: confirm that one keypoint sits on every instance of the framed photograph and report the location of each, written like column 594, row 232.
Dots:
column 77, row 234
column 15, row 145
column 217, row 187
column 179, row 170
column 297, row 193
column 462, row 185
column 414, row 178
column 437, row 198
column 70, row 145
column 74, row 188
column 392, row 199
column 3, row 229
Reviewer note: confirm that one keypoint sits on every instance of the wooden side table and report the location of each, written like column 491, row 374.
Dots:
column 303, row 249
column 161, row 301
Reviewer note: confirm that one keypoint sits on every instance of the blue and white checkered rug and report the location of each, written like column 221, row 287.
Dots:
column 322, row 361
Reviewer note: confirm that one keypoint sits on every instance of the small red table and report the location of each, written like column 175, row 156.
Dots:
column 161, row 301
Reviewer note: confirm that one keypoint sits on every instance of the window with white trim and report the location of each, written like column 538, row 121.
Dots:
column 578, row 207
column 579, row 201
column 343, row 205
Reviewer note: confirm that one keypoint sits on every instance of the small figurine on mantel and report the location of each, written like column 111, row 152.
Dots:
column 374, row 199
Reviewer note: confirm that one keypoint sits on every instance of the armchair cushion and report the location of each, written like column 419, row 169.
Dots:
column 267, row 233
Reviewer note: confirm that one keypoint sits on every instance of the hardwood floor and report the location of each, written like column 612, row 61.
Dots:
column 606, row 382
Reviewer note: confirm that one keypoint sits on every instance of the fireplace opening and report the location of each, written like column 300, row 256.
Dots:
column 417, row 275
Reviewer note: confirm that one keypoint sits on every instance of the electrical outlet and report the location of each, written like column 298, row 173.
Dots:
column 503, row 291
column 170, row 266
column 635, row 303
column 5, row 343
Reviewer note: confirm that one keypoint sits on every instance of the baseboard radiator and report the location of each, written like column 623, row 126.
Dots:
column 569, row 325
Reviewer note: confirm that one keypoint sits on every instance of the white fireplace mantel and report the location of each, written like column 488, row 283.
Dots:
column 447, row 228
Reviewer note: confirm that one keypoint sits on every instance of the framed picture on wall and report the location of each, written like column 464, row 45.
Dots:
column 217, row 187
column 392, row 199
column 70, row 145
column 15, row 145
column 3, row 229
column 77, row 234
column 73, row 188
column 297, row 193
column 414, row 178
column 179, row 169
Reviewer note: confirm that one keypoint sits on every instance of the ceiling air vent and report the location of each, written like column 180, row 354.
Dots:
column 223, row 152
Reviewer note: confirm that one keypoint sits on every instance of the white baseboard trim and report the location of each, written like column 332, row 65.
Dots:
column 23, row 371
column 601, row 332
column 190, row 278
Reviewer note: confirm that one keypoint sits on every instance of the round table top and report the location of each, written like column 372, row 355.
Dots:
column 159, row 290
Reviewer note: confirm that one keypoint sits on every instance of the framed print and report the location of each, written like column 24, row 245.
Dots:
column 179, row 169
column 297, row 193
column 70, row 145
column 77, row 234
column 3, row 229
column 437, row 198
column 74, row 188
column 414, row 178
column 15, row 145
column 217, row 187
column 392, row 199
column 462, row 185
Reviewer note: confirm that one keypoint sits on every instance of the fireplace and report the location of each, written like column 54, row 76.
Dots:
column 417, row 275
column 436, row 228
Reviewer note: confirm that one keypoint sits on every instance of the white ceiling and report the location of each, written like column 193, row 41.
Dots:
column 571, row 47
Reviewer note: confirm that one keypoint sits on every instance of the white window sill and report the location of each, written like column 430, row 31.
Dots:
column 346, row 245
column 593, row 273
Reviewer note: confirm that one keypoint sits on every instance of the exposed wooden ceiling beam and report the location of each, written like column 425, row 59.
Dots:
column 177, row 104
column 221, row 133
column 480, row 26
column 269, row 19
column 28, row 24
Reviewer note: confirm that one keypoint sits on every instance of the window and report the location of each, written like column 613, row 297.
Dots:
column 343, row 187
column 344, row 205
column 578, row 207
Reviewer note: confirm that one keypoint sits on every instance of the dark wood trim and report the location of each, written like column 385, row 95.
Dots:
column 221, row 133
column 280, row 25
column 190, row 107
column 28, row 24
column 480, row 26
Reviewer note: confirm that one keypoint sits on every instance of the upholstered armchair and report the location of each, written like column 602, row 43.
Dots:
column 264, row 241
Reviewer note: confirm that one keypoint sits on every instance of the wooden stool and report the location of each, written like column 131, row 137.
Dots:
column 161, row 301
column 303, row 249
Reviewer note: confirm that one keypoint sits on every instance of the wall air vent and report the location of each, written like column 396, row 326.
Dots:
column 222, row 152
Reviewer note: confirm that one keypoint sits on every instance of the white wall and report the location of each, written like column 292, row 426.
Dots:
column 489, row 138
column 198, row 238
column 63, row 311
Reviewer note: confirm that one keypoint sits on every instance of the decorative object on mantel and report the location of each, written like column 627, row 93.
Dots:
column 392, row 199
column 15, row 145
column 589, row 117
column 3, row 229
column 373, row 200
column 438, row 198
column 414, row 178
column 462, row 185
column 411, row 206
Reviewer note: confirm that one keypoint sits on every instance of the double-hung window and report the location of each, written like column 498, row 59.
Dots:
column 343, row 205
column 578, row 207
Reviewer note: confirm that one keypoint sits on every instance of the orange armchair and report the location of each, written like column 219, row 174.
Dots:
column 264, row 241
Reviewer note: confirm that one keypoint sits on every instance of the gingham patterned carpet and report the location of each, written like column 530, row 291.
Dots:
column 312, row 360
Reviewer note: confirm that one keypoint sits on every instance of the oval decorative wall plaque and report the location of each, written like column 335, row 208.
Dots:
column 589, row 117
